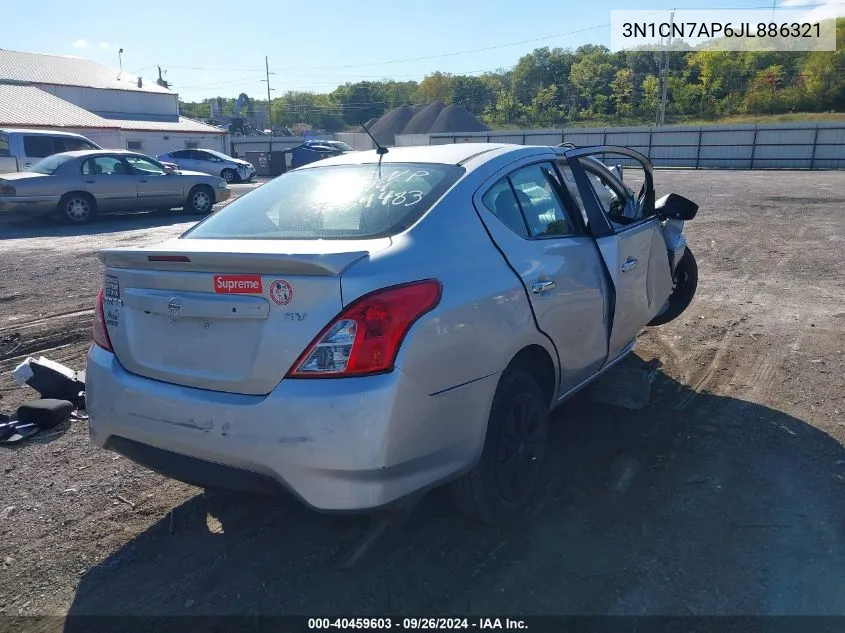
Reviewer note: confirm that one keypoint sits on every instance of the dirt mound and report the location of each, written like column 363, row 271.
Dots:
column 424, row 118
column 456, row 119
column 391, row 124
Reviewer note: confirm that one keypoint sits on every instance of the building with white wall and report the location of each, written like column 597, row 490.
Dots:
column 113, row 108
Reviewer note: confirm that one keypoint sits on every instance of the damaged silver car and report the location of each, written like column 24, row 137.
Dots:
column 379, row 323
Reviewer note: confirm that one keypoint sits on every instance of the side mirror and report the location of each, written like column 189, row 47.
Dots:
column 168, row 169
column 675, row 207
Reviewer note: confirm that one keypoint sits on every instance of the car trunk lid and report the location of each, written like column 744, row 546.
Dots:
column 224, row 315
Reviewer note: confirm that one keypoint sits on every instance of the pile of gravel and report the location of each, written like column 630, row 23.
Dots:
column 424, row 118
column 456, row 119
column 391, row 124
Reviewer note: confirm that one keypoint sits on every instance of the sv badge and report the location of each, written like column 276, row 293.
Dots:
column 294, row 316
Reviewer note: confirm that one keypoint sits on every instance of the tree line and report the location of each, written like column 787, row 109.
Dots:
column 558, row 87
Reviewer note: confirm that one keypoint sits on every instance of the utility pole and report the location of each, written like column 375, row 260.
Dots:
column 664, row 72
column 269, row 102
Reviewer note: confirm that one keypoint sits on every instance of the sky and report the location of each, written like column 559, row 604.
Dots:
column 215, row 48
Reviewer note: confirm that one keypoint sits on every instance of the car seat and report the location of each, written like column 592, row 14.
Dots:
column 119, row 169
column 507, row 210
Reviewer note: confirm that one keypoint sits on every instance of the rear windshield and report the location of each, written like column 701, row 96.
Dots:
column 49, row 165
column 333, row 202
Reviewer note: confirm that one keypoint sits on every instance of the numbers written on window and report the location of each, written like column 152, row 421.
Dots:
column 527, row 202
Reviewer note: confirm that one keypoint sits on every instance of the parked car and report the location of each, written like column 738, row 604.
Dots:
column 208, row 161
column 365, row 327
column 77, row 185
column 314, row 150
column 20, row 149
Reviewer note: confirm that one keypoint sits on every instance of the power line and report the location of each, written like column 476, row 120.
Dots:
column 485, row 48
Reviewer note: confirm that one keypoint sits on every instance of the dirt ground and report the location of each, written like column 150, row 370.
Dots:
column 725, row 495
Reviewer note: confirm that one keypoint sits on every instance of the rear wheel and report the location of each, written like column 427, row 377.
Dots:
column 684, row 284
column 229, row 175
column 505, row 479
column 77, row 208
column 200, row 199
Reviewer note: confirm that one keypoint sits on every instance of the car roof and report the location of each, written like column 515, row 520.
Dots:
column 96, row 152
column 20, row 130
column 448, row 154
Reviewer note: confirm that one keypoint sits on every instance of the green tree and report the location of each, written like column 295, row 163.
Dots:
column 544, row 110
column 649, row 96
column 591, row 76
column 436, row 87
column 472, row 93
column 622, row 88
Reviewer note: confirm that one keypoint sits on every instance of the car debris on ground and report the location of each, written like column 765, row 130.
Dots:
column 62, row 392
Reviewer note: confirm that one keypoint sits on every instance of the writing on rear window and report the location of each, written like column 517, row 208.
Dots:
column 333, row 202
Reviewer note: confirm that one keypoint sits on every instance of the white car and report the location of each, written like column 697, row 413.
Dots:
column 210, row 162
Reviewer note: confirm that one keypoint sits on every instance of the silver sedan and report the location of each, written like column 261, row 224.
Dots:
column 367, row 327
column 211, row 162
column 77, row 185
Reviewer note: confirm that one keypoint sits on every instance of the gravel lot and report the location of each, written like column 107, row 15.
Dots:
column 724, row 495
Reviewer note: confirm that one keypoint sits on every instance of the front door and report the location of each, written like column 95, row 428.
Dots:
column 111, row 181
column 560, row 266
column 156, row 187
column 632, row 246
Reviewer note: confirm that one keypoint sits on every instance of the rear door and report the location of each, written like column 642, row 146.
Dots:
column 111, row 181
column 629, row 237
column 207, row 163
column 155, row 187
column 536, row 225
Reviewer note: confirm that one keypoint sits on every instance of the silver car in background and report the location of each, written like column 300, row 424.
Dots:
column 368, row 327
column 211, row 162
column 78, row 185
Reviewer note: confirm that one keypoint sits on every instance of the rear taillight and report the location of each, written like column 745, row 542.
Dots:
column 365, row 337
column 7, row 189
column 101, row 335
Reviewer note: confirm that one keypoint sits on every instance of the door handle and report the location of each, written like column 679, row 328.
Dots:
column 541, row 286
column 90, row 182
column 629, row 264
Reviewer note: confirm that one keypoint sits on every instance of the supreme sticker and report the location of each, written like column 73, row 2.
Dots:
column 238, row 284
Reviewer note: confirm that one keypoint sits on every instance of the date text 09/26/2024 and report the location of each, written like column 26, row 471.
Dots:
column 417, row 624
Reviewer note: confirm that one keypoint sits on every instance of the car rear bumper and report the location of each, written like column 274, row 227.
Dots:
column 30, row 205
column 339, row 444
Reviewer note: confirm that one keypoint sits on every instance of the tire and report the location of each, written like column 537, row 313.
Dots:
column 684, row 284
column 77, row 208
column 200, row 199
column 505, row 479
column 229, row 175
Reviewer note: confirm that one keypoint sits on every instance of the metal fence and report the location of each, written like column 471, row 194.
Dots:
column 819, row 145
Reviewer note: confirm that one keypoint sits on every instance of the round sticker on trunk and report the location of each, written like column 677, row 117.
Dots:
column 280, row 292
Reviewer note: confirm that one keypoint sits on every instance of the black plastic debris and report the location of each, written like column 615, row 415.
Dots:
column 20, row 432
column 46, row 413
column 52, row 380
